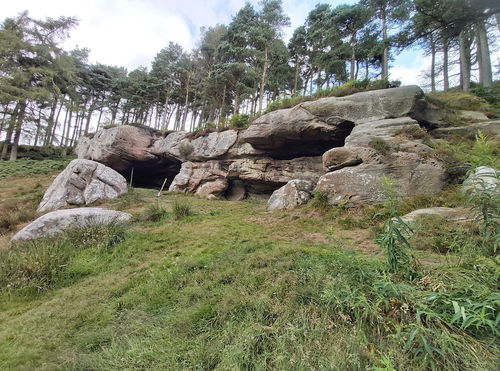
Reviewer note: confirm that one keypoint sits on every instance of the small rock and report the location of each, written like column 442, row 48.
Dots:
column 296, row 192
column 482, row 179
column 448, row 213
column 340, row 157
column 472, row 115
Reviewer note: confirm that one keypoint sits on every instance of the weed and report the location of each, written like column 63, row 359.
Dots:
column 154, row 213
column 320, row 201
column 181, row 209
column 380, row 145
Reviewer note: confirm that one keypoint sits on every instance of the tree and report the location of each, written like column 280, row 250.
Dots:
column 28, row 53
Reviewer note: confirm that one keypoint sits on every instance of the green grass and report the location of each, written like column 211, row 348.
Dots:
column 233, row 287
column 24, row 167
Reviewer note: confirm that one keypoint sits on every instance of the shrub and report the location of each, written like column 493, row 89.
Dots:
column 380, row 145
column 239, row 121
column 181, row 209
column 320, row 200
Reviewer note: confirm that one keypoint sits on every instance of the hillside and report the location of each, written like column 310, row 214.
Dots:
column 233, row 286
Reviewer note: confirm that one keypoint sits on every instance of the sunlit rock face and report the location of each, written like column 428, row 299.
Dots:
column 329, row 141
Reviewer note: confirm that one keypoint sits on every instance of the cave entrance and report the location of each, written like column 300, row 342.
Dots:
column 310, row 143
column 152, row 174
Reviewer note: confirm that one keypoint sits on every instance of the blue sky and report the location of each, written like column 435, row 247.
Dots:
column 130, row 32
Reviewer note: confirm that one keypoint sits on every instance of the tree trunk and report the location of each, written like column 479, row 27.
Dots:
column 10, row 131
column 433, row 64
column 464, row 62
column 483, row 57
column 385, row 53
column 446, row 81
column 48, row 133
column 65, row 122
column 186, row 101
column 296, row 79
column 165, row 110
column 56, row 121
column 353, row 56
column 263, row 79
column 17, row 134
column 497, row 18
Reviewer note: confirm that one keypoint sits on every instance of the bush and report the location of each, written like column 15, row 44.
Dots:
column 380, row 145
column 239, row 121
column 181, row 209
column 490, row 94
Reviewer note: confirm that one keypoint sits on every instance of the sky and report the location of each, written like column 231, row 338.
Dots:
column 129, row 33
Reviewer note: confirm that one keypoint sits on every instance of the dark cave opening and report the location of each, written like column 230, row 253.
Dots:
column 313, row 142
column 152, row 174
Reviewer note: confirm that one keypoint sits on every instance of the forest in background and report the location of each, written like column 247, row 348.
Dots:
column 50, row 96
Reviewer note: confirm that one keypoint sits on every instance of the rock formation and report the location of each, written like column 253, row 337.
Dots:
column 285, row 145
column 59, row 221
column 81, row 183
column 295, row 193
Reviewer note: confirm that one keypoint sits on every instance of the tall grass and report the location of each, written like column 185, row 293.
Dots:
column 35, row 266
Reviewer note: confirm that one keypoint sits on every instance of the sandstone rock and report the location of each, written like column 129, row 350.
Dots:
column 406, row 101
column 81, row 183
column 59, row 221
column 311, row 128
column 364, row 133
column 201, row 178
column 340, row 157
column 126, row 148
column 489, row 128
column 170, row 146
column 472, row 115
column 363, row 183
column 295, row 132
column 236, row 191
column 482, row 179
column 296, row 192
column 119, row 146
column 448, row 213
column 213, row 145
column 265, row 175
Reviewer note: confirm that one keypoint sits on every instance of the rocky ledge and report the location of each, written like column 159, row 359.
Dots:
column 334, row 143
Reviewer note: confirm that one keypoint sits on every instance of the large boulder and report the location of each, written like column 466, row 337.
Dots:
column 119, row 147
column 204, row 179
column 311, row 128
column 295, row 132
column 59, row 221
column 83, row 182
column 295, row 193
column 412, row 173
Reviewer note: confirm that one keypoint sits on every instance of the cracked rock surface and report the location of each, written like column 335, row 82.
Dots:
column 83, row 182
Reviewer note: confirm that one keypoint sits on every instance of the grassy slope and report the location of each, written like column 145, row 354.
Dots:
column 233, row 287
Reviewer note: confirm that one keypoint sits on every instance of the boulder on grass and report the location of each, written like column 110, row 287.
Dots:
column 59, row 221
column 81, row 183
column 296, row 192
